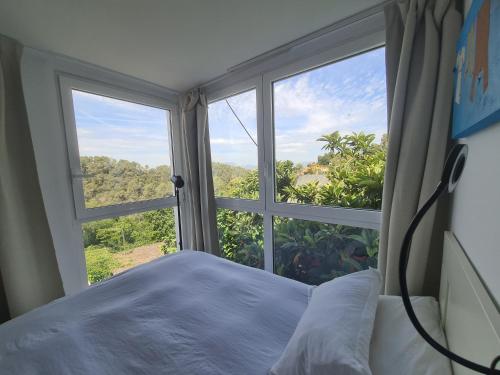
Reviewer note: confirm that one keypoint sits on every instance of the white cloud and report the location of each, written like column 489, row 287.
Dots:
column 229, row 141
column 305, row 110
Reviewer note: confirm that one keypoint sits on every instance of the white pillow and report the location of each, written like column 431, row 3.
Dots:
column 333, row 335
column 396, row 344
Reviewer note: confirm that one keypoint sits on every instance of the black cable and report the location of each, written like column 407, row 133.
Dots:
column 241, row 123
column 403, row 263
column 494, row 364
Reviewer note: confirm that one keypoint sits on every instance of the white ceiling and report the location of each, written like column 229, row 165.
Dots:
column 177, row 44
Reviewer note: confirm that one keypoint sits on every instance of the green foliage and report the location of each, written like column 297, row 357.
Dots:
column 109, row 181
column 228, row 180
column 241, row 237
column 304, row 250
column 100, row 263
column 314, row 252
column 286, row 176
column 355, row 173
column 126, row 232
column 162, row 226
column 351, row 171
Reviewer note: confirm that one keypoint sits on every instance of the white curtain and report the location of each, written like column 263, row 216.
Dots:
column 200, row 211
column 420, row 56
column 28, row 266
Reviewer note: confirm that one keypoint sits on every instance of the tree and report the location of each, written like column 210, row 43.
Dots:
column 304, row 250
column 308, row 251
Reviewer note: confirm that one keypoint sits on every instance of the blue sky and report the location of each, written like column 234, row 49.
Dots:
column 347, row 96
column 121, row 130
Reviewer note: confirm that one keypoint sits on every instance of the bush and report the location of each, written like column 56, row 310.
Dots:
column 305, row 250
column 100, row 263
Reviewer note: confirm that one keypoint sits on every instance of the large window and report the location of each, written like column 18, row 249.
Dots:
column 124, row 150
column 121, row 163
column 330, row 128
column 298, row 158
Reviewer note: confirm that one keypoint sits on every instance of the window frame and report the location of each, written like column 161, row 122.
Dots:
column 83, row 214
column 358, row 217
column 263, row 83
column 240, row 204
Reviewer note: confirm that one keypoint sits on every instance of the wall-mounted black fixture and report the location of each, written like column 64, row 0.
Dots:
column 452, row 171
column 178, row 184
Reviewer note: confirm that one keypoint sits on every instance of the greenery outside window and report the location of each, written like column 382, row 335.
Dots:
column 241, row 237
column 116, row 244
column 317, row 187
column 313, row 252
column 121, row 159
column 330, row 127
column 234, row 145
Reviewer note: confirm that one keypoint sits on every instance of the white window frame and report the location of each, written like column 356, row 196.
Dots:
column 266, row 205
column 66, row 85
column 239, row 204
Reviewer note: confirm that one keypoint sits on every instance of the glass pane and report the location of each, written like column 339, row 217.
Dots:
column 241, row 237
column 330, row 128
column 314, row 252
column 124, row 150
column 233, row 141
column 117, row 244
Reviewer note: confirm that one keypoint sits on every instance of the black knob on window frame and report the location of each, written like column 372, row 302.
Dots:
column 177, row 181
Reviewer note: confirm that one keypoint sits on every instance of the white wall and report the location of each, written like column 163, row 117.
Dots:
column 40, row 71
column 475, row 209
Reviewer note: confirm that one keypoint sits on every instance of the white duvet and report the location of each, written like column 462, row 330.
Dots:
column 188, row 313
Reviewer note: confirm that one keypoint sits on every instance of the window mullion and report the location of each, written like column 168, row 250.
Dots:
column 268, row 172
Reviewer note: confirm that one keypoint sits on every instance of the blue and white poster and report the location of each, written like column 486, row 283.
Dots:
column 476, row 103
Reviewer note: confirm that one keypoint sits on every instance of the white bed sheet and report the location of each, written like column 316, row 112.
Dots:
column 188, row 313
column 396, row 347
column 192, row 313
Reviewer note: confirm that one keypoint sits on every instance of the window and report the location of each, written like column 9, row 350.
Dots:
column 237, row 154
column 234, row 145
column 124, row 150
column 308, row 191
column 330, row 127
column 119, row 146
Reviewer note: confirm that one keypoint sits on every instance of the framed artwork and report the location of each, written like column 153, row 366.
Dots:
column 476, row 102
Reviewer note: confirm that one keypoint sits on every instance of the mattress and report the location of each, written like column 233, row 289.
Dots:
column 187, row 313
column 190, row 313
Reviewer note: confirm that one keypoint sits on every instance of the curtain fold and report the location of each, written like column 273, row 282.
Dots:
column 420, row 78
column 28, row 266
column 200, row 209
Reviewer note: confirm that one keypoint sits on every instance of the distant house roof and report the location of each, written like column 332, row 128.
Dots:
column 307, row 178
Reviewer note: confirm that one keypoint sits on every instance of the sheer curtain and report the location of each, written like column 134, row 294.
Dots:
column 200, row 210
column 28, row 266
column 420, row 56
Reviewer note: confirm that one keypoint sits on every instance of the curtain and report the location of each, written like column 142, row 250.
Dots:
column 28, row 266
column 420, row 56
column 200, row 210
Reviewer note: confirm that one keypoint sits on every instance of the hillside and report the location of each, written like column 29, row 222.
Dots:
column 109, row 181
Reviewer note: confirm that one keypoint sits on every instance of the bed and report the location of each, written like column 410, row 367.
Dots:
column 193, row 313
